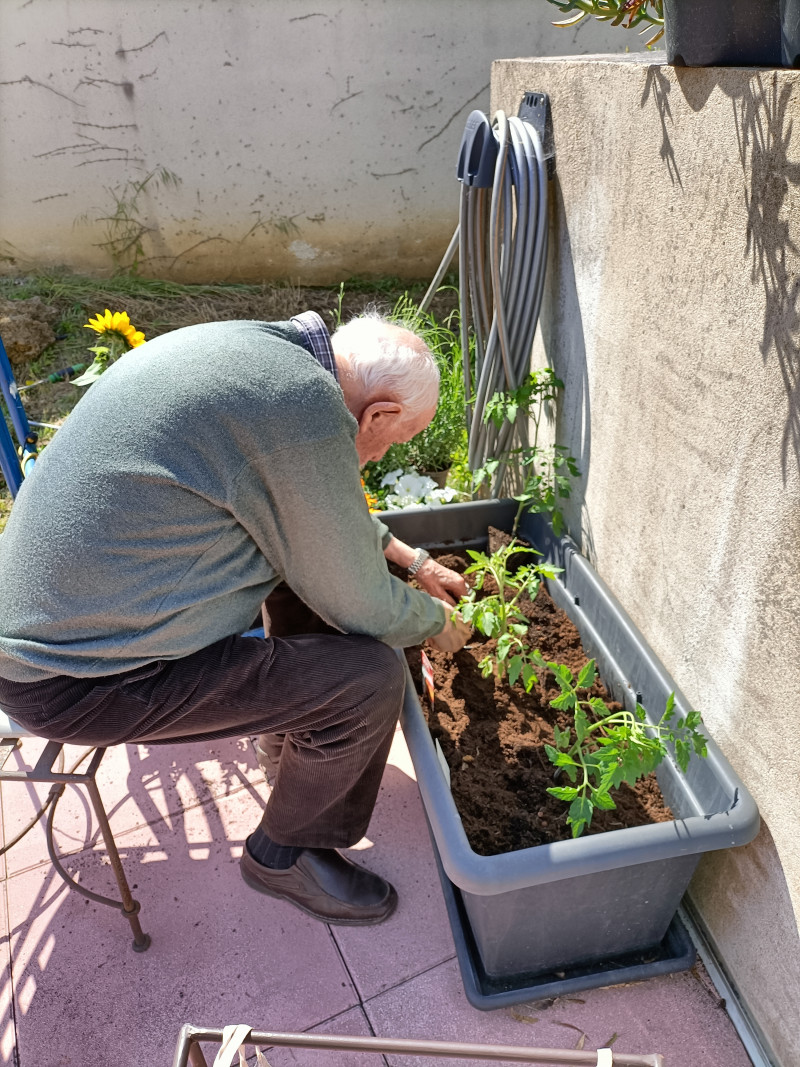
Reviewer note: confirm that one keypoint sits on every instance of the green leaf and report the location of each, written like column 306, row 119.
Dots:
column 94, row 371
column 563, row 792
column 683, row 753
column 669, row 710
column 587, row 676
column 514, row 669
column 602, row 800
column 564, row 701
column 563, row 759
column 553, row 754
column 563, row 674
column 561, row 737
column 538, row 660
column 581, row 724
column 529, row 678
column 580, row 814
column 503, row 647
column 598, row 706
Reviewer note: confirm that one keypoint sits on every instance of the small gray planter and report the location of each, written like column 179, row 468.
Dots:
column 790, row 33
column 597, row 910
column 723, row 33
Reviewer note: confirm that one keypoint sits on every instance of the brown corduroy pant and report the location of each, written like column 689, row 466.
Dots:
column 335, row 698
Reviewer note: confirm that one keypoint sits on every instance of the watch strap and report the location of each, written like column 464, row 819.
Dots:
column 419, row 558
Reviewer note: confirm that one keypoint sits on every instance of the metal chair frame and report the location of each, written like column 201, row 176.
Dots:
column 49, row 768
column 15, row 464
column 188, row 1051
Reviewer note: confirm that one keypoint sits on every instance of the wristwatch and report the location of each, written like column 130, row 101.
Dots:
column 419, row 558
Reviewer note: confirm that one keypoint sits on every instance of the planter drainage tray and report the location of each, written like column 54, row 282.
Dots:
column 600, row 909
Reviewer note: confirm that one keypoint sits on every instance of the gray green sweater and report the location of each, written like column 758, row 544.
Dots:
column 198, row 472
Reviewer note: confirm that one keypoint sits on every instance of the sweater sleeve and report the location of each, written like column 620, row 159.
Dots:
column 384, row 532
column 305, row 509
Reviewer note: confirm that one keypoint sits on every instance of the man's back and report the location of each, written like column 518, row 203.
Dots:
column 134, row 539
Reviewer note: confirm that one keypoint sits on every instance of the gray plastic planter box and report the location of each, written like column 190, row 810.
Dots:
column 597, row 910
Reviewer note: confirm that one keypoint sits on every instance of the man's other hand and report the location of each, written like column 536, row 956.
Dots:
column 455, row 634
column 441, row 582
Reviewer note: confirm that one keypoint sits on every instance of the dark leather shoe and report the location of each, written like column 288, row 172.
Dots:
column 325, row 884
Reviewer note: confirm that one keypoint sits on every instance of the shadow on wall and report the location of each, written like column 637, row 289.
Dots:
column 561, row 324
column 764, row 131
column 658, row 86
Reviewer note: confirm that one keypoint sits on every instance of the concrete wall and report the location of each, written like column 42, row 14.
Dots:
column 312, row 141
column 672, row 315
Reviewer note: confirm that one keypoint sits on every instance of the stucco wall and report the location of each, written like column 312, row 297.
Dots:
column 672, row 316
column 312, row 141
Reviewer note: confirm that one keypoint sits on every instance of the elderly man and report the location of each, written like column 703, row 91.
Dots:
column 206, row 470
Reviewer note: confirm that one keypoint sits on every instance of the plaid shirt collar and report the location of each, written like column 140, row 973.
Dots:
column 316, row 339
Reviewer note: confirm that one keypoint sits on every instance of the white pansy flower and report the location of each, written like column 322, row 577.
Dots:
column 391, row 477
column 412, row 489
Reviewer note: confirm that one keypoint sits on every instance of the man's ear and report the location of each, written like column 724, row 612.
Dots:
column 381, row 413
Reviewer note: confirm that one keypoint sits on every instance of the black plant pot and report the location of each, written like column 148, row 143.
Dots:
column 724, row 33
column 790, row 33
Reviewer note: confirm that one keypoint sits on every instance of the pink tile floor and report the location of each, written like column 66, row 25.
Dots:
column 73, row 993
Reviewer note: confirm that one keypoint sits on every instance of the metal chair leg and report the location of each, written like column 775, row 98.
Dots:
column 43, row 772
column 130, row 907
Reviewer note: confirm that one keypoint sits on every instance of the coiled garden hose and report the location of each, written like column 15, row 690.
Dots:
column 502, row 254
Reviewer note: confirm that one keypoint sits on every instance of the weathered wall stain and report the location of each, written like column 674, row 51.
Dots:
column 339, row 124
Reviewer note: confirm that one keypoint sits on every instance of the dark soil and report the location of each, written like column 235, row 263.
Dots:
column 493, row 738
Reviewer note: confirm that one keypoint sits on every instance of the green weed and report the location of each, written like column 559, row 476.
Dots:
column 443, row 444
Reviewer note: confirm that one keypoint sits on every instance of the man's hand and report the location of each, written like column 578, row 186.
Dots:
column 436, row 580
column 446, row 585
column 455, row 634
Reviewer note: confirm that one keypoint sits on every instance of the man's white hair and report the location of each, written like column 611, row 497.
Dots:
column 390, row 362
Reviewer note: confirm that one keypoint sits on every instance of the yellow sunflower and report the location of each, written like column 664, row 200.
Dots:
column 116, row 323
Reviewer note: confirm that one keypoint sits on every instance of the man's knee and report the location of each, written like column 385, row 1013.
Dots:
column 386, row 667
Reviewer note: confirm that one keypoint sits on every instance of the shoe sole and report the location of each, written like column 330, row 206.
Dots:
column 259, row 888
